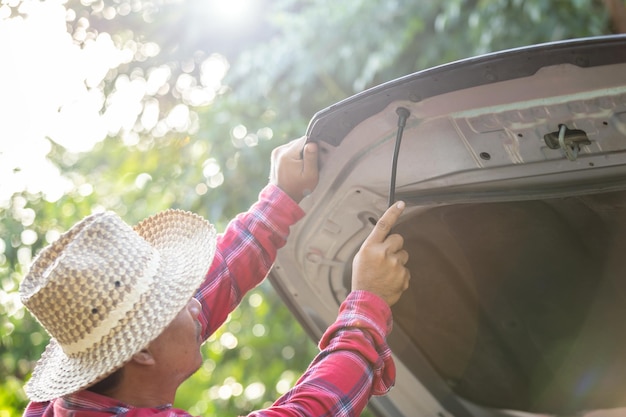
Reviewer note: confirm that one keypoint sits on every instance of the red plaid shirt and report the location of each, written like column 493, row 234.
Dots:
column 354, row 363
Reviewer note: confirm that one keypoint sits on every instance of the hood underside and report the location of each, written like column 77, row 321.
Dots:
column 513, row 167
column 521, row 304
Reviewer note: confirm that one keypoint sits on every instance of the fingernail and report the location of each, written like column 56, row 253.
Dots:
column 400, row 205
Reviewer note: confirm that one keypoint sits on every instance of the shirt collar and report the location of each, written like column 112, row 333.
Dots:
column 90, row 401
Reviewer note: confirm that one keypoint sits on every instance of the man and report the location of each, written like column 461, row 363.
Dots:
column 126, row 327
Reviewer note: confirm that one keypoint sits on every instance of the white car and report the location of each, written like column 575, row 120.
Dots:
column 513, row 168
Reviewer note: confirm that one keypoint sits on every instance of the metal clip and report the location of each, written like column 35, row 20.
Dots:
column 568, row 140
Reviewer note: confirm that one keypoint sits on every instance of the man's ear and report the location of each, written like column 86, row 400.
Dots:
column 144, row 357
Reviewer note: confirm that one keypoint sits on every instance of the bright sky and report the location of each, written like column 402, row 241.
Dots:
column 47, row 90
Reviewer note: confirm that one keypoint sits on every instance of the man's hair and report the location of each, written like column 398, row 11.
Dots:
column 106, row 385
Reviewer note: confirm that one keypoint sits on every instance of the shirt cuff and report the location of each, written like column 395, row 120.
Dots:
column 283, row 205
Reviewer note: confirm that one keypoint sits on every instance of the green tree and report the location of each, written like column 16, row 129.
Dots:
column 295, row 58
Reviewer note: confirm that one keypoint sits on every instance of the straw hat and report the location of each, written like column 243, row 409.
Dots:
column 104, row 291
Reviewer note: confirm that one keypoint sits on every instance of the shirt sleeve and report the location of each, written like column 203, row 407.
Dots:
column 354, row 363
column 35, row 409
column 245, row 253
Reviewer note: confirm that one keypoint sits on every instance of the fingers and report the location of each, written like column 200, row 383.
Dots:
column 295, row 148
column 380, row 265
column 386, row 222
column 394, row 242
column 407, row 280
column 292, row 150
column 299, row 150
column 294, row 168
column 403, row 257
column 309, row 158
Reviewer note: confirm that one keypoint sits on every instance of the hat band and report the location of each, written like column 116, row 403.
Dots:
column 142, row 286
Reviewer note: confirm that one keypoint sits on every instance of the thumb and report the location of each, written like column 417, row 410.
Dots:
column 310, row 157
column 386, row 222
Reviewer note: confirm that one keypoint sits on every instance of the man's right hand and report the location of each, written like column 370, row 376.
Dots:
column 294, row 168
column 379, row 266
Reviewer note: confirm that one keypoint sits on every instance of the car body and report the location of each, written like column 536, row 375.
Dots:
column 513, row 168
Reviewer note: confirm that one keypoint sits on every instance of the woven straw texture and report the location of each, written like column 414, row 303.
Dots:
column 104, row 291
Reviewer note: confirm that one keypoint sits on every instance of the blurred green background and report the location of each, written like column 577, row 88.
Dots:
column 140, row 105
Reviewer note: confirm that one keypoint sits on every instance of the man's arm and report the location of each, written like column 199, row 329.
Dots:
column 247, row 249
column 354, row 364
column 355, row 361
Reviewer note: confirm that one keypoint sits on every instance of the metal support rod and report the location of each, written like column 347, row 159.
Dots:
column 403, row 115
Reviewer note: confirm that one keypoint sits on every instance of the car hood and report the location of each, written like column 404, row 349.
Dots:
column 513, row 167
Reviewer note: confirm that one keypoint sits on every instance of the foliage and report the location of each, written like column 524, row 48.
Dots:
column 298, row 57
column 331, row 50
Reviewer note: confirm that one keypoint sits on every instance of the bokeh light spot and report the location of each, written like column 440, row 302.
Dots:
column 254, row 391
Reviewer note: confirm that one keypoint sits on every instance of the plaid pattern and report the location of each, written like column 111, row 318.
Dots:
column 354, row 363
column 245, row 253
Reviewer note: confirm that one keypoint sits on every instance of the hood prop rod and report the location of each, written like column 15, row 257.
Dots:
column 403, row 115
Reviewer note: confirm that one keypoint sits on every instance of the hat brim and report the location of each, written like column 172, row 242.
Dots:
column 186, row 243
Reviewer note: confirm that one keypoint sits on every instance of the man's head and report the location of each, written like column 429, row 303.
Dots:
column 104, row 291
column 169, row 359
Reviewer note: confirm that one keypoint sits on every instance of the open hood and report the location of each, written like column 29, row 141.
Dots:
column 513, row 167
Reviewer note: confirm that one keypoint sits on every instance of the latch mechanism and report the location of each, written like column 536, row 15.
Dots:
column 569, row 140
